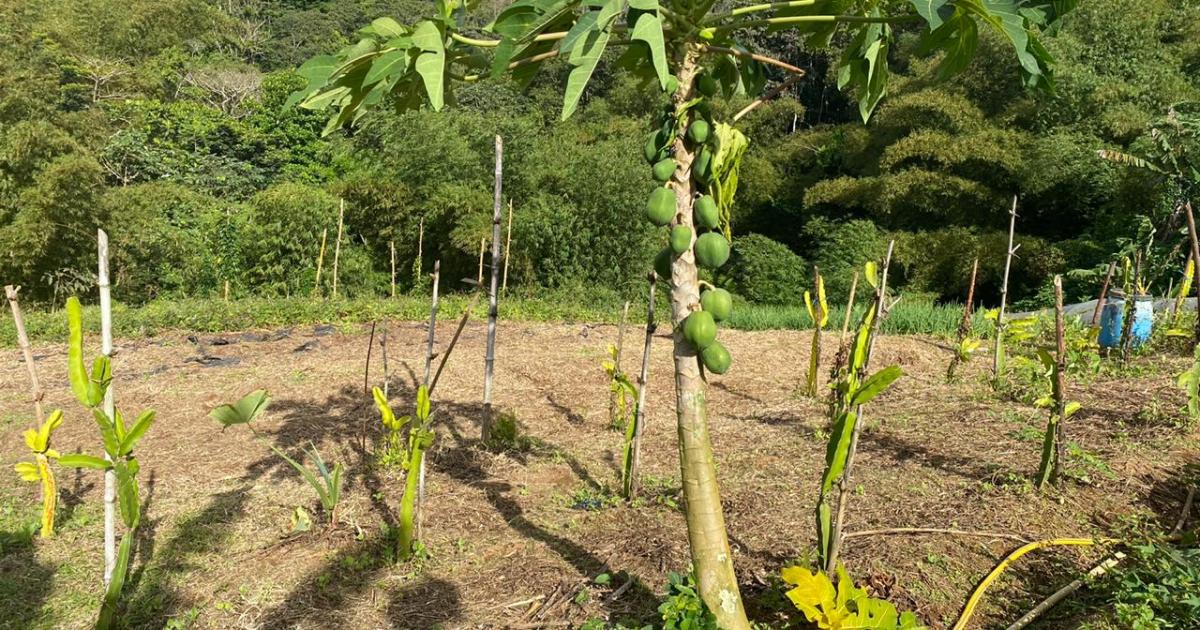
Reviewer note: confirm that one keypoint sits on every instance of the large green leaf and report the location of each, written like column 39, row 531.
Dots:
column 585, row 55
column 243, row 411
column 932, row 11
column 431, row 63
column 387, row 65
column 316, row 72
column 649, row 30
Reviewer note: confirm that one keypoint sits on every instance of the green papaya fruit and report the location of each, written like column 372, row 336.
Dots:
column 664, row 169
column 681, row 239
column 718, row 303
column 702, row 165
column 705, row 213
column 716, row 358
column 707, row 85
column 700, row 330
column 698, row 131
column 662, row 264
column 712, row 250
column 661, row 207
column 652, row 148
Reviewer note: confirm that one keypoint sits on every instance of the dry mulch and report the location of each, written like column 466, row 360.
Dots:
column 516, row 538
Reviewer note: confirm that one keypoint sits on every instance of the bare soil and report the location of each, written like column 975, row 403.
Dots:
column 516, row 537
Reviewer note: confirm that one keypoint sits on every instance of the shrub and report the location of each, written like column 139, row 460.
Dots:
column 841, row 248
column 284, row 236
column 763, row 270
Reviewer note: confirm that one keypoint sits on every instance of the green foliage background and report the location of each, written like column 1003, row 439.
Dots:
column 162, row 121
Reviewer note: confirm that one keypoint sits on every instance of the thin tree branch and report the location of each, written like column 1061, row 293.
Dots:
column 792, row 80
column 757, row 57
column 807, row 19
column 757, row 8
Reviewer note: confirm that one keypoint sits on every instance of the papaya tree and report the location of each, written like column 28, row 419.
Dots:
column 692, row 53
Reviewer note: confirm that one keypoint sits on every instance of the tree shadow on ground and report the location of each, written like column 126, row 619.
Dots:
column 24, row 581
column 898, row 449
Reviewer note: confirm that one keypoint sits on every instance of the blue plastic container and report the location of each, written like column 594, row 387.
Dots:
column 1113, row 318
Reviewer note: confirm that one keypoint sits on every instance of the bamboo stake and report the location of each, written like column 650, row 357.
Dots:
column 998, row 342
column 419, row 262
column 490, row 358
column 964, row 326
column 383, row 350
column 433, row 311
column 482, row 250
column 1191, row 221
column 320, row 261
column 643, row 378
column 35, row 385
column 337, row 245
column 849, row 308
column 881, row 308
column 1060, row 382
column 106, row 348
column 1112, row 266
column 392, row 246
column 507, row 247
column 226, row 290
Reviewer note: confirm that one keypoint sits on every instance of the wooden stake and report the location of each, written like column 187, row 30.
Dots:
column 507, row 247
column 490, row 359
column 1112, row 266
column 419, row 263
column 320, row 261
column 106, row 348
column 433, row 311
column 881, row 308
column 998, row 342
column 35, row 385
column 849, row 308
column 1060, row 380
column 392, row 246
column 482, row 250
column 964, row 326
column 337, row 245
column 643, row 378
column 387, row 378
column 226, row 290
column 1191, row 221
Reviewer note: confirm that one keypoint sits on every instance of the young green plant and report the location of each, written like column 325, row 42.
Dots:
column 119, row 440
column 1056, row 366
column 844, row 606
column 624, row 415
column 855, row 389
column 818, row 313
column 326, row 483
column 420, row 437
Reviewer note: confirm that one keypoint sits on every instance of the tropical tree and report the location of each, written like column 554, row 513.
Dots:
column 691, row 53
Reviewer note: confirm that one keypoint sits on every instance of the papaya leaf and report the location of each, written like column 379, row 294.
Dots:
column 649, row 30
column 391, row 63
column 316, row 72
column 585, row 55
column 932, row 11
column 386, row 28
column 431, row 63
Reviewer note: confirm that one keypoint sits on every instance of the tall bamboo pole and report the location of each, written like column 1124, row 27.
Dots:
column 843, row 499
column 392, row 246
column 106, row 348
column 419, row 263
column 507, row 247
column 35, row 384
column 337, row 245
column 490, row 358
column 1112, row 266
column 482, row 251
column 433, row 312
column 998, row 342
column 639, row 418
column 320, row 262
column 1191, row 221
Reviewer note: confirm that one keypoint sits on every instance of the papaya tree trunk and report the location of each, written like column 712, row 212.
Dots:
column 711, row 558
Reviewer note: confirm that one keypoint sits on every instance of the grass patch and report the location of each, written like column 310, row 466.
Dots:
column 206, row 315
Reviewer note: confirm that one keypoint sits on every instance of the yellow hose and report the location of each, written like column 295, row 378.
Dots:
column 976, row 596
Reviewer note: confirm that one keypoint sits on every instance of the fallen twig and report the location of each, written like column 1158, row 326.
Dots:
column 1187, row 509
column 933, row 530
column 1065, row 591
